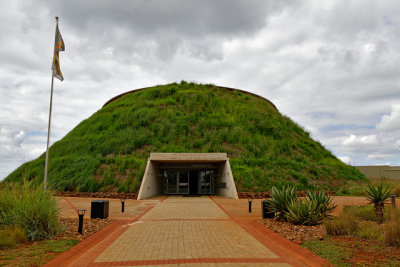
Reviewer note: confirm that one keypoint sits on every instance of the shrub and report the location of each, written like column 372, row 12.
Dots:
column 28, row 207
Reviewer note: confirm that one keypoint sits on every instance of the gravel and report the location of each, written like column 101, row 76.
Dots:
column 296, row 233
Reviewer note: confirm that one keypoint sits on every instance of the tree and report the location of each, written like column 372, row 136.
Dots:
column 377, row 195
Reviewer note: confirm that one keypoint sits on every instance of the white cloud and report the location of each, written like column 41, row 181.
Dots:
column 390, row 122
column 353, row 140
column 345, row 159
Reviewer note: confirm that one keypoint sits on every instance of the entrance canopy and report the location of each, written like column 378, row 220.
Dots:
column 188, row 174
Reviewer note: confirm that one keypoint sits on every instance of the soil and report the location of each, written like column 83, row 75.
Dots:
column 97, row 195
column 90, row 226
column 264, row 195
column 368, row 252
column 295, row 233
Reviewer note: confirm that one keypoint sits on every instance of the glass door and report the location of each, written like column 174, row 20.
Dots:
column 175, row 182
column 206, row 182
column 170, row 182
column 183, row 182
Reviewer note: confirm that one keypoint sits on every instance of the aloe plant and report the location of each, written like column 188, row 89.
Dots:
column 281, row 199
column 311, row 210
column 323, row 201
column 304, row 212
column 308, row 211
column 377, row 195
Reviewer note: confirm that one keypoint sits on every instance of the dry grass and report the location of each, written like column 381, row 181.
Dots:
column 360, row 222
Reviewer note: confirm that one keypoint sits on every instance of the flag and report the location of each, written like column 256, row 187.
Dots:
column 58, row 46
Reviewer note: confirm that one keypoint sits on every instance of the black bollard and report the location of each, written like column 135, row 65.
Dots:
column 81, row 213
column 250, row 202
column 122, row 205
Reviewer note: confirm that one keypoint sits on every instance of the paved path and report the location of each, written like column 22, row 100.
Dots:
column 188, row 231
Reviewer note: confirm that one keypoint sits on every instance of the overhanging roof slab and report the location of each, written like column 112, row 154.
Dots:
column 188, row 157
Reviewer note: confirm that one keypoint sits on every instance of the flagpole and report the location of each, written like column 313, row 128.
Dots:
column 48, row 126
column 48, row 135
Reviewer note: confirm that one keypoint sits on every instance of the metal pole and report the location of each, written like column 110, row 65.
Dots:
column 250, row 201
column 49, row 124
column 123, row 207
column 48, row 136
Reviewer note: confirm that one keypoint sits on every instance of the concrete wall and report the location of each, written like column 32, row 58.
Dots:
column 151, row 185
column 225, row 178
column 382, row 171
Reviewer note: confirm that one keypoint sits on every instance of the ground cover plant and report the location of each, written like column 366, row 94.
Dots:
column 26, row 213
column 109, row 150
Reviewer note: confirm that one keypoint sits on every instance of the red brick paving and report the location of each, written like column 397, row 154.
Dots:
column 85, row 253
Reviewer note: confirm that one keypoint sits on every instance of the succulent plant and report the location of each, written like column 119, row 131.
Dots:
column 377, row 195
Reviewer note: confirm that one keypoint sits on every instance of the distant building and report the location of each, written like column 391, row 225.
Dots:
column 380, row 171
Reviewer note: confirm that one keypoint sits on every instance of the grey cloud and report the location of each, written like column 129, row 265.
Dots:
column 331, row 67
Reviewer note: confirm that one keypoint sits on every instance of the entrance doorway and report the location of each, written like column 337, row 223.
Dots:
column 188, row 182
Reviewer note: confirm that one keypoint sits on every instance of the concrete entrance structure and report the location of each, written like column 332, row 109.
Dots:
column 222, row 182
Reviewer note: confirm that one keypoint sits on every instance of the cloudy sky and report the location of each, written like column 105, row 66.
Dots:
column 332, row 66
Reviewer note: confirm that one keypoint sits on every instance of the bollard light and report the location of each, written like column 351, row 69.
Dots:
column 81, row 213
column 122, row 205
column 250, row 202
column 393, row 197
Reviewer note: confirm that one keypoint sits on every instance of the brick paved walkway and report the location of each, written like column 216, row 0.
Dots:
column 187, row 231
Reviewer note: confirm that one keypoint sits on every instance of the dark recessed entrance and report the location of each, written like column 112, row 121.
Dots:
column 188, row 180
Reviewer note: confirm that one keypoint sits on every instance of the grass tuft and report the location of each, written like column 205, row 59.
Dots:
column 27, row 207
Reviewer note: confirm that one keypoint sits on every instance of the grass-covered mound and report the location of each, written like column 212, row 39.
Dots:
column 108, row 151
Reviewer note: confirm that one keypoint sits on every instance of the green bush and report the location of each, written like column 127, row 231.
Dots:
column 28, row 207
